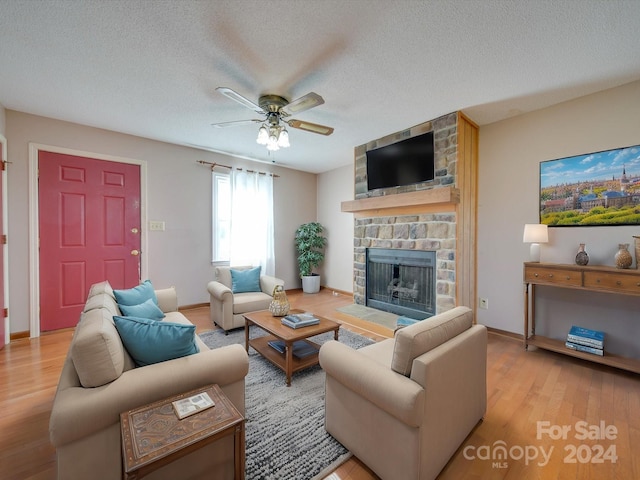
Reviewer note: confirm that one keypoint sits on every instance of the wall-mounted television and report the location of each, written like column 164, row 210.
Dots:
column 402, row 163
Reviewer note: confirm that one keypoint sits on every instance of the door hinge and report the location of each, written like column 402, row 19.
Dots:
column 5, row 312
column 3, row 239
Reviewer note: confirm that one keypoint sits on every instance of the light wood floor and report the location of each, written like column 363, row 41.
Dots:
column 523, row 388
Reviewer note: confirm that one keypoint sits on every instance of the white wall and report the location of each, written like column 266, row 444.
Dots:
column 335, row 187
column 179, row 193
column 510, row 154
column 3, row 120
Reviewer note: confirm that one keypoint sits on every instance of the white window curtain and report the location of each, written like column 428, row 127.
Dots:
column 252, row 220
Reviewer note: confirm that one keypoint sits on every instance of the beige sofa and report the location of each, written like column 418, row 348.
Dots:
column 99, row 381
column 404, row 405
column 226, row 307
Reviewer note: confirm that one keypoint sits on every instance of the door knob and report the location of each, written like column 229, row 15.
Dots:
column 134, row 230
column 135, row 253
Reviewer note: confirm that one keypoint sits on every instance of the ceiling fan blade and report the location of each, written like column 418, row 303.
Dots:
column 236, row 123
column 310, row 127
column 233, row 95
column 301, row 104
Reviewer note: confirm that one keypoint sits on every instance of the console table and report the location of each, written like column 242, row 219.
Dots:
column 592, row 278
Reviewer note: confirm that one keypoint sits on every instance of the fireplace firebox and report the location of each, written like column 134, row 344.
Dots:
column 401, row 281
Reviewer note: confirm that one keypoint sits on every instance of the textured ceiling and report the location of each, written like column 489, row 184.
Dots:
column 150, row 68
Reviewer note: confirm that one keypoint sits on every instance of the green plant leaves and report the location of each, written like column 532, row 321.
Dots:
column 310, row 243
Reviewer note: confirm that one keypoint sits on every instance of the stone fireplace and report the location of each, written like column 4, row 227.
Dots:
column 436, row 216
column 401, row 281
column 433, row 233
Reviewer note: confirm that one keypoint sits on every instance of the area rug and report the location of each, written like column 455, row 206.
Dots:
column 285, row 435
column 369, row 314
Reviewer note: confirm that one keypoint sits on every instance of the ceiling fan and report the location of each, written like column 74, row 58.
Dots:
column 275, row 110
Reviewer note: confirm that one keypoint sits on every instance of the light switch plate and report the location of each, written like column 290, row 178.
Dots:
column 156, row 226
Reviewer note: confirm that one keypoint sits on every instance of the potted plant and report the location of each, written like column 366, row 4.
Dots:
column 310, row 243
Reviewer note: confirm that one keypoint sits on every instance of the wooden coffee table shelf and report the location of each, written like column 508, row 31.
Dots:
column 147, row 447
column 287, row 362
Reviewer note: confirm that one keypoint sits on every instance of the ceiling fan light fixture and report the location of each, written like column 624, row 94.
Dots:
column 283, row 139
column 275, row 109
column 263, row 136
column 272, row 143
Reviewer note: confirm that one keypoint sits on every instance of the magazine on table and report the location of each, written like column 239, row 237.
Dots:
column 301, row 349
column 193, row 404
column 297, row 320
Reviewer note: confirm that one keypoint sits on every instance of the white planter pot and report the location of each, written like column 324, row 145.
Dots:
column 311, row 284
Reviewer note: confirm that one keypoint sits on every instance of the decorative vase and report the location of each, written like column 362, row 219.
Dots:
column 636, row 241
column 581, row 257
column 279, row 306
column 623, row 257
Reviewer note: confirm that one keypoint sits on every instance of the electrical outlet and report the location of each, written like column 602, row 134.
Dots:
column 484, row 303
column 157, row 226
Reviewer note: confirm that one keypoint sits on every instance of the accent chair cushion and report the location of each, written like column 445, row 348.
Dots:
column 96, row 350
column 146, row 309
column 243, row 281
column 152, row 341
column 250, row 302
column 136, row 295
column 419, row 338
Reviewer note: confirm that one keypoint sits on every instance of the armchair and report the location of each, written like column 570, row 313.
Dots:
column 226, row 307
column 403, row 406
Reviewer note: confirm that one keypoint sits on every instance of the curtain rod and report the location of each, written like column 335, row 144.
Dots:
column 213, row 165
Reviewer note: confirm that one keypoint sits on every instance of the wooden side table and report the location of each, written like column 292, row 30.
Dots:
column 153, row 436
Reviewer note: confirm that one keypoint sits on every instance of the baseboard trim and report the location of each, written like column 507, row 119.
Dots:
column 19, row 335
column 339, row 292
column 195, row 305
column 503, row 333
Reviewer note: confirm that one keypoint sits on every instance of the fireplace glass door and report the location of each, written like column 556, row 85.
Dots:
column 401, row 281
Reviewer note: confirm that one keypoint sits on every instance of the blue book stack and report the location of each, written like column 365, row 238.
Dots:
column 299, row 320
column 585, row 340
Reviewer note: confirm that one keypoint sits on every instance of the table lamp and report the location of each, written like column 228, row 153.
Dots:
column 535, row 234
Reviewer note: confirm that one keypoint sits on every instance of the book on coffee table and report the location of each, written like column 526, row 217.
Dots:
column 299, row 320
column 192, row 405
column 301, row 349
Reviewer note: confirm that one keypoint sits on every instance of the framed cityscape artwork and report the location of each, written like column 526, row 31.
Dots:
column 594, row 189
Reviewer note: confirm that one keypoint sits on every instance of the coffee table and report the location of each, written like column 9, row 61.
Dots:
column 285, row 361
column 153, row 436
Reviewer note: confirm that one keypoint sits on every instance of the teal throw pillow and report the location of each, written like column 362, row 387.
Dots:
column 150, row 341
column 245, row 280
column 136, row 295
column 146, row 309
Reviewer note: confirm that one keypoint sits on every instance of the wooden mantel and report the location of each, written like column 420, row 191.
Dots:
column 442, row 199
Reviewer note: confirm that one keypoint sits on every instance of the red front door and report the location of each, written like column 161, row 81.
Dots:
column 89, row 221
column 3, row 320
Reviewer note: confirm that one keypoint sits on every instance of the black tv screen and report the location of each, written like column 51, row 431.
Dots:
column 402, row 163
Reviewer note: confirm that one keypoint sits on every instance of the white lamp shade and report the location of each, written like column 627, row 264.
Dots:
column 263, row 136
column 283, row 139
column 535, row 233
